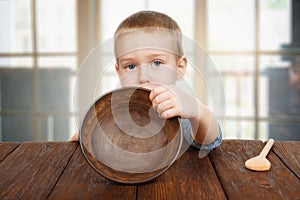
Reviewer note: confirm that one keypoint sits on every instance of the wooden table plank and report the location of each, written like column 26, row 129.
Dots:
column 58, row 170
column 240, row 183
column 80, row 181
column 6, row 148
column 189, row 177
column 289, row 153
column 31, row 170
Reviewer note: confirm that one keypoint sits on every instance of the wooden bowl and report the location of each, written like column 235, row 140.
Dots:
column 125, row 140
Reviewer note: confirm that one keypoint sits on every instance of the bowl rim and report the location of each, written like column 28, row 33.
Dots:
column 110, row 177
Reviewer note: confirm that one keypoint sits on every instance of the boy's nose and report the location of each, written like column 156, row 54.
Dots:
column 144, row 76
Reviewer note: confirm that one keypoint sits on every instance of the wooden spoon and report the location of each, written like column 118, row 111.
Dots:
column 260, row 163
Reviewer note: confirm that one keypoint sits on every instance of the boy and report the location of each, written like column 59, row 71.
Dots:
column 149, row 54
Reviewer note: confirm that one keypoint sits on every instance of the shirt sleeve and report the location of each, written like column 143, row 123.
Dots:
column 186, row 129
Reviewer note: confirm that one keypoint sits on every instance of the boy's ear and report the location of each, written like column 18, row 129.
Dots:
column 181, row 67
column 117, row 68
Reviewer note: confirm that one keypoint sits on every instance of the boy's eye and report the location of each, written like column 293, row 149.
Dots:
column 131, row 67
column 156, row 63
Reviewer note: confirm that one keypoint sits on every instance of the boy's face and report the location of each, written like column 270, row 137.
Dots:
column 148, row 57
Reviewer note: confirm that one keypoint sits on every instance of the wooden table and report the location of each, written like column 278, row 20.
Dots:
column 58, row 170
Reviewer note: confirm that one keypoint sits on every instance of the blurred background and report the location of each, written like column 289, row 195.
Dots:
column 254, row 44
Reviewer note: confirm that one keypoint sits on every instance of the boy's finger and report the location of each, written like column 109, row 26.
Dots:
column 163, row 96
column 166, row 105
column 156, row 91
column 169, row 113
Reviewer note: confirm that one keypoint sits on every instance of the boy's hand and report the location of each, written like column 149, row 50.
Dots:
column 169, row 101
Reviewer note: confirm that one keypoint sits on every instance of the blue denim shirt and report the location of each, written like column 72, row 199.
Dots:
column 186, row 130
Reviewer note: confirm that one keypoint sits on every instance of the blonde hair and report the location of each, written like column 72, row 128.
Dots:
column 152, row 19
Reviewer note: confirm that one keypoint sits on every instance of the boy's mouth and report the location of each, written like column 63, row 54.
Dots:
column 149, row 85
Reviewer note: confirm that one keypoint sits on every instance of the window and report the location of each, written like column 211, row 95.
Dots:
column 37, row 68
column 254, row 45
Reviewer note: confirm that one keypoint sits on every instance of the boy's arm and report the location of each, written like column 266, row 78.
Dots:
column 205, row 128
column 170, row 101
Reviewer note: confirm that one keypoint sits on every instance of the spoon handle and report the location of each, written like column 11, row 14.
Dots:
column 267, row 148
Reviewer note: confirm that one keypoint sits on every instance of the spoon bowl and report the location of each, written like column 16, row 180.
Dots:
column 260, row 162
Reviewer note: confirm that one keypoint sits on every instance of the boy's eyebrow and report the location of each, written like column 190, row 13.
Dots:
column 148, row 56
column 158, row 55
column 125, row 59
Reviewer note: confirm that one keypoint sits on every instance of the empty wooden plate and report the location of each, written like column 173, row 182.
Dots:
column 125, row 140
